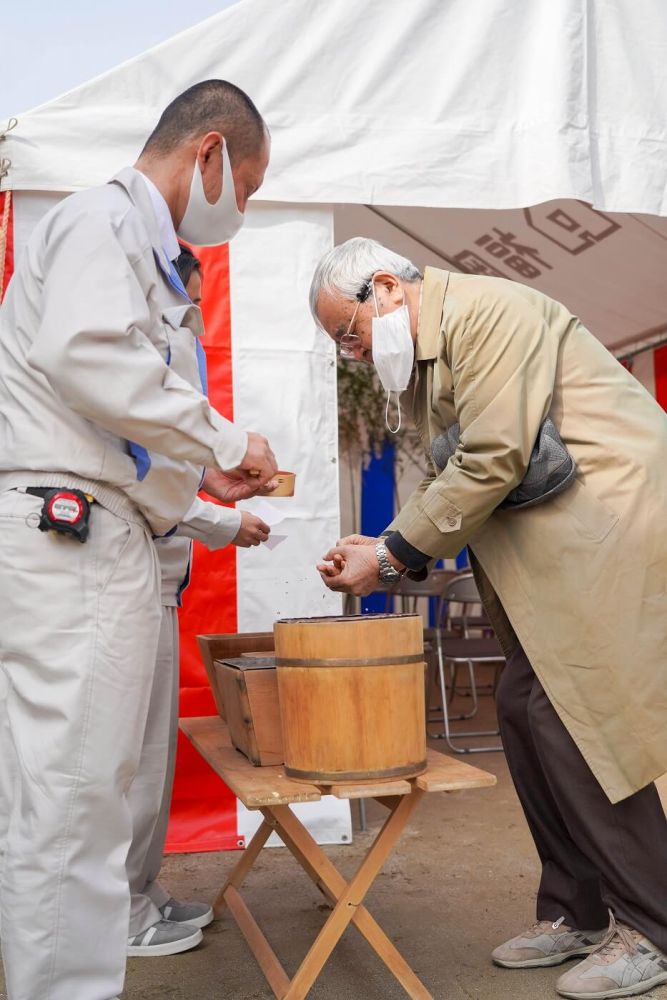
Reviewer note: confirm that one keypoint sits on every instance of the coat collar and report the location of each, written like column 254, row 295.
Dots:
column 133, row 184
column 429, row 326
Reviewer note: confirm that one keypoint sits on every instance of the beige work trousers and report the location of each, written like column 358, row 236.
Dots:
column 150, row 794
column 78, row 635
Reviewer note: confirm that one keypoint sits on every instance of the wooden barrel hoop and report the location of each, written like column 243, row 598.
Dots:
column 335, row 777
column 373, row 661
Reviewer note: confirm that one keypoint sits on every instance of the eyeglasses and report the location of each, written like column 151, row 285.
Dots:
column 349, row 342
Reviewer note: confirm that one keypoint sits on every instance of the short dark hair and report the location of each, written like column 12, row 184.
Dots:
column 210, row 106
column 186, row 263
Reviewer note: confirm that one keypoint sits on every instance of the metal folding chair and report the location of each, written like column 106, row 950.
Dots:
column 409, row 592
column 464, row 651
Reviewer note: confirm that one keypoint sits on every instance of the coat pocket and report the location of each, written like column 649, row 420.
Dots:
column 445, row 515
column 108, row 559
column 593, row 517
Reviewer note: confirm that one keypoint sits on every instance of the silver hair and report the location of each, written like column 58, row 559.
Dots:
column 347, row 268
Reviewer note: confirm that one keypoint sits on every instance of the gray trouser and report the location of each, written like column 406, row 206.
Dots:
column 78, row 634
column 595, row 856
column 150, row 794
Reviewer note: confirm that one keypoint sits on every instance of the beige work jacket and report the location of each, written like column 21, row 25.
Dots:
column 581, row 580
column 99, row 383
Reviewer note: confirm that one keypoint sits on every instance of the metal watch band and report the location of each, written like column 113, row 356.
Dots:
column 388, row 573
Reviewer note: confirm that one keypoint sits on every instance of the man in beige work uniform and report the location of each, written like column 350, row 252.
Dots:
column 576, row 586
column 103, row 441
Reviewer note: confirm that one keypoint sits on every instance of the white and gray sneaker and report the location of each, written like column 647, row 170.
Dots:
column 625, row 963
column 546, row 943
column 164, row 938
column 196, row 914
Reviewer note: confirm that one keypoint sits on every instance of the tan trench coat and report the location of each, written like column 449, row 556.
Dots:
column 581, row 580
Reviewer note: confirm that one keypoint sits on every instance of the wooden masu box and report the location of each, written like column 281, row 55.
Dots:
column 246, row 696
column 248, row 686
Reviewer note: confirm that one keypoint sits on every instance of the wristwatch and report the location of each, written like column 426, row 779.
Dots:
column 388, row 573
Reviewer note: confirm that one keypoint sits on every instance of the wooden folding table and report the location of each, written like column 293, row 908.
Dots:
column 269, row 790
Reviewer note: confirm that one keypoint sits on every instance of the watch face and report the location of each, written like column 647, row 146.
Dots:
column 389, row 575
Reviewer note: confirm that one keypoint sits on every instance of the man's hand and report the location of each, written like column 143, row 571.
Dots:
column 232, row 486
column 259, row 462
column 357, row 540
column 351, row 569
column 253, row 531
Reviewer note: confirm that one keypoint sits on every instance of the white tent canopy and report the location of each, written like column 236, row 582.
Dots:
column 419, row 111
column 434, row 103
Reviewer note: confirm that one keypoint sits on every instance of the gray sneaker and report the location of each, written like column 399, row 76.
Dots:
column 546, row 943
column 625, row 963
column 196, row 914
column 164, row 938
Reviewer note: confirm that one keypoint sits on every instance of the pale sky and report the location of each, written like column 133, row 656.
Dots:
column 49, row 47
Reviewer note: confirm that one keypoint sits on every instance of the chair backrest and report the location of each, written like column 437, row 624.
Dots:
column 463, row 590
column 433, row 586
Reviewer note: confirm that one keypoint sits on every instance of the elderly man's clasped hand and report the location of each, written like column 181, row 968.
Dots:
column 351, row 566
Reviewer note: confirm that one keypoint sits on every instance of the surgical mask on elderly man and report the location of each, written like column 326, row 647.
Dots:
column 393, row 352
column 206, row 224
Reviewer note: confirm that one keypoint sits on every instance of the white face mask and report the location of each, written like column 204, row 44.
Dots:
column 393, row 352
column 208, row 225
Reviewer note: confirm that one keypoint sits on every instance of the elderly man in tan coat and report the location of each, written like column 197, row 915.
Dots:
column 576, row 585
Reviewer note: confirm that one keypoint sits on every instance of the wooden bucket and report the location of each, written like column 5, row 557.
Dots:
column 352, row 702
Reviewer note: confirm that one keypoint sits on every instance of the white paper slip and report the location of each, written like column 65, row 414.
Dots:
column 269, row 514
column 274, row 540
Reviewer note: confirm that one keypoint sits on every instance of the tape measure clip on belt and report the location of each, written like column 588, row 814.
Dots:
column 65, row 511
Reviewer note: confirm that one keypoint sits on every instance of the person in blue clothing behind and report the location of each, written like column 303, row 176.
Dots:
column 159, row 924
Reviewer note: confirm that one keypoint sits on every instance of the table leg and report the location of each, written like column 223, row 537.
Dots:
column 349, row 897
column 244, row 865
column 268, row 961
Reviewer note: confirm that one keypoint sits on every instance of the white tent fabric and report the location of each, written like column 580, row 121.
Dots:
column 420, row 111
column 284, row 386
column 447, row 103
